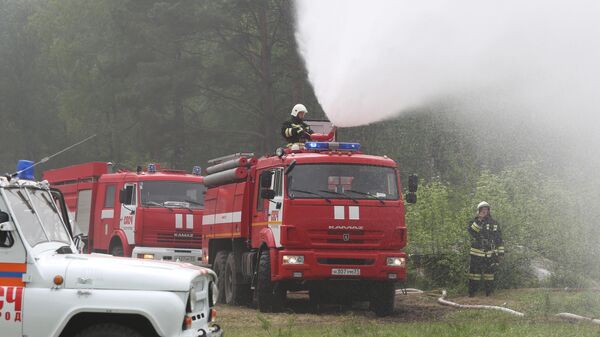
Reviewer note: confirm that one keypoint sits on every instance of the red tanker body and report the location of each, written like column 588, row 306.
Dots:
column 326, row 218
column 153, row 214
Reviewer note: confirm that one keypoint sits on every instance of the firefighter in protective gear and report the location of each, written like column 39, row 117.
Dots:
column 294, row 130
column 486, row 249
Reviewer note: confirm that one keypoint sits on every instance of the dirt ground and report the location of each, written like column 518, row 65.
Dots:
column 409, row 308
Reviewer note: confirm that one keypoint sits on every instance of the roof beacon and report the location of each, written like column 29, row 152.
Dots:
column 25, row 170
column 151, row 168
column 323, row 146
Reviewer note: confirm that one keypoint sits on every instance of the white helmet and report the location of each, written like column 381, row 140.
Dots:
column 483, row 204
column 297, row 109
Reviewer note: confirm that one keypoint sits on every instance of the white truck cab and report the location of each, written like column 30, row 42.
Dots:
column 48, row 289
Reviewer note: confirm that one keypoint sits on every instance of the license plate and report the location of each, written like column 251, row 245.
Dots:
column 345, row 272
column 185, row 258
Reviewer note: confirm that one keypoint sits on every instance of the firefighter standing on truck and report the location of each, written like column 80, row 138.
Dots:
column 294, row 130
column 486, row 249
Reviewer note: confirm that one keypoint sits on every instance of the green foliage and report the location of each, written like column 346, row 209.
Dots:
column 534, row 214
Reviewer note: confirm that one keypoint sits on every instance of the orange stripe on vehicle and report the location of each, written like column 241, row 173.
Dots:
column 16, row 267
column 11, row 282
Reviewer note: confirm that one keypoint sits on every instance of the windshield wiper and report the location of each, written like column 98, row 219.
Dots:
column 153, row 203
column 49, row 202
column 26, row 201
column 313, row 193
column 178, row 204
column 367, row 194
column 342, row 194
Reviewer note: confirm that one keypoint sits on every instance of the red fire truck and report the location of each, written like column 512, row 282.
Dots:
column 151, row 214
column 323, row 217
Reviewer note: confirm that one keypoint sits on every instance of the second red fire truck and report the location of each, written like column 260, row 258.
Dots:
column 152, row 214
column 320, row 216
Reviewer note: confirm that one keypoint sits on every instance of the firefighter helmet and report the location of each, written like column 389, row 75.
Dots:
column 483, row 204
column 298, row 108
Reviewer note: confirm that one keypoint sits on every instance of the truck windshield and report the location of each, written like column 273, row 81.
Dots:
column 342, row 181
column 37, row 216
column 162, row 193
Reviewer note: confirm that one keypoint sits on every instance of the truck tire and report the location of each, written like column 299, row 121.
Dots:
column 383, row 296
column 117, row 250
column 108, row 330
column 236, row 291
column 270, row 296
column 219, row 268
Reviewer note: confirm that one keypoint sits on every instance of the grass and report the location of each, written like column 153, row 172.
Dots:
column 539, row 305
column 438, row 329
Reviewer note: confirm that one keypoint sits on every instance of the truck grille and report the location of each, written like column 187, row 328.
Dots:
column 172, row 237
column 359, row 238
column 354, row 262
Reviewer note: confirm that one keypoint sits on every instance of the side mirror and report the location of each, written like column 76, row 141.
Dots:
column 267, row 194
column 125, row 196
column 413, row 183
column 411, row 197
column 266, row 179
column 290, row 167
column 5, row 224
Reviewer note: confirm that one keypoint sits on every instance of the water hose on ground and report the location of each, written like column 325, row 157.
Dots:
column 573, row 317
column 442, row 300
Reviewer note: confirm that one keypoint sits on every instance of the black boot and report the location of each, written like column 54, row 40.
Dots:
column 489, row 288
column 473, row 285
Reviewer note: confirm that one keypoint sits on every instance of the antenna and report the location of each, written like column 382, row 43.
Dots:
column 45, row 159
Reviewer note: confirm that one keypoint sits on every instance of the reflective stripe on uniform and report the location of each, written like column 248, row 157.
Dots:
column 474, row 277
column 488, row 277
column 501, row 249
column 475, row 227
column 477, row 252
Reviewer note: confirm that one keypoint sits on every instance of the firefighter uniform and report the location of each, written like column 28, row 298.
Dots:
column 486, row 248
column 294, row 130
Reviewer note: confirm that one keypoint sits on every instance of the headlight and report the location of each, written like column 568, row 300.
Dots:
column 146, row 256
column 213, row 293
column 396, row 261
column 193, row 299
column 293, row 259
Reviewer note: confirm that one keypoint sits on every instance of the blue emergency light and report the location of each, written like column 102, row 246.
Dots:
column 151, row 168
column 196, row 170
column 349, row 146
column 322, row 146
column 25, row 170
column 316, row 146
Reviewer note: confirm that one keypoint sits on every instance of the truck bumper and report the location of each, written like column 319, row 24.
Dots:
column 193, row 256
column 213, row 331
column 326, row 264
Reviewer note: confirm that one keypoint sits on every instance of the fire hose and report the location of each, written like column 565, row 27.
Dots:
column 443, row 301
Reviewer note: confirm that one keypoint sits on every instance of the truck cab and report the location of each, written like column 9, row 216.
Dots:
column 47, row 288
column 151, row 214
column 322, row 216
